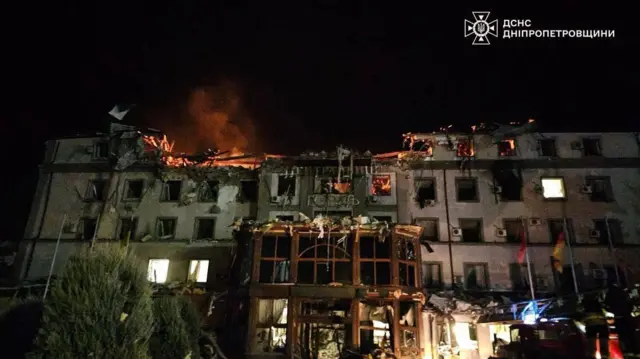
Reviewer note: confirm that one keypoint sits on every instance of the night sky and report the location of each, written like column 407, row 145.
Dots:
column 310, row 78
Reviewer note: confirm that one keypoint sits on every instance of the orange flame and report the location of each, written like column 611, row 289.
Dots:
column 381, row 185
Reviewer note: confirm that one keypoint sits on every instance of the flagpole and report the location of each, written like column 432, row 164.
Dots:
column 526, row 255
column 611, row 250
column 568, row 241
column 53, row 260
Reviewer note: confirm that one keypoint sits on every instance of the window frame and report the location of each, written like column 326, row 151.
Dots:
column 175, row 227
column 485, row 265
column 480, row 224
column 275, row 260
column 608, row 191
column 89, row 193
column 553, row 141
column 191, row 261
column 348, row 258
column 196, row 228
column 512, row 153
column 204, row 186
column 436, row 221
column 127, row 184
column 564, row 188
column 165, row 185
column 433, row 180
column 409, row 263
column 166, row 279
column 439, row 265
column 474, row 180
column 376, row 260
column 598, row 142
column 121, row 220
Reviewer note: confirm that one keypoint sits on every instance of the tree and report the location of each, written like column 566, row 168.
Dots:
column 170, row 338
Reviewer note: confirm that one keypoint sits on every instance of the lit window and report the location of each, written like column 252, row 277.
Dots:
column 553, row 188
column 158, row 270
column 198, row 270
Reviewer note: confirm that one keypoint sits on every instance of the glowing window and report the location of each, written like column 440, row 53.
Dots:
column 198, row 271
column 553, row 188
column 158, row 270
column 381, row 185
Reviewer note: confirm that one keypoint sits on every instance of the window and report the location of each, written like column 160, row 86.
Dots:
column 205, row 228
column 325, row 260
column 431, row 230
column 612, row 277
column 601, row 189
column 388, row 219
column 170, row 191
column 465, row 148
column 101, row 151
column 553, row 188
column 507, row 148
column 208, row 191
column 407, row 262
column 271, row 326
column 274, row 259
column 515, row 230
column 510, row 185
column 89, row 226
column 286, row 218
column 249, row 190
column 426, row 191
column 134, row 189
column 609, row 228
column 327, row 185
column 198, row 271
column 96, row 191
column 408, row 329
column 158, row 270
column 556, row 226
column 166, row 228
column 471, row 230
column 432, row 274
column 520, row 276
column 467, row 189
column 381, row 185
column 375, row 331
column 591, row 147
column 476, row 275
column 375, row 261
column 547, row 147
column 128, row 228
column 286, row 186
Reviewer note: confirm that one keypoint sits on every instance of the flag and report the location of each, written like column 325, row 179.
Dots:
column 557, row 252
column 523, row 248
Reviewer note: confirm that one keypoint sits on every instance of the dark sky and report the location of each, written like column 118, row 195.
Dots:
column 314, row 77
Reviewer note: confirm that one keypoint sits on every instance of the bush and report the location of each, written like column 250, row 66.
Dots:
column 99, row 306
column 193, row 321
column 171, row 335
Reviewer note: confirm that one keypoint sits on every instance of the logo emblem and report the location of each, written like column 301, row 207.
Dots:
column 481, row 28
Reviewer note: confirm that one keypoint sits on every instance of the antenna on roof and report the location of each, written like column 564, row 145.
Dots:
column 120, row 111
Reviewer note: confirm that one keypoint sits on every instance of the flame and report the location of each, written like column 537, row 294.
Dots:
column 381, row 185
column 465, row 148
column 512, row 146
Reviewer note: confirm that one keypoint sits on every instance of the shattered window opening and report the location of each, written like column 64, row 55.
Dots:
column 128, row 228
column 381, row 185
column 89, row 226
column 166, row 228
column 471, row 230
column 408, row 329
column 249, row 190
column 275, row 264
column 322, row 339
column 101, row 151
column 286, row 218
column 507, row 148
column 198, row 270
column 511, row 186
column 134, row 189
column 330, row 185
column 601, row 189
column 334, row 215
column 432, row 274
column 271, row 327
column 547, row 147
column 171, row 191
column 591, row 147
column 553, row 188
column 476, row 275
column 515, row 230
column 375, row 261
column 209, row 191
column 407, row 261
column 431, row 230
column 96, row 191
column 286, row 185
column 614, row 228
column 519, row 274
column 375, row 331
column 426, row 191
column 465, row 148
column 556, row 227
column 467, row 189
column 388, row 219
column 325, row 260
column 407, row 274
column 158, row 270
column 205, row 228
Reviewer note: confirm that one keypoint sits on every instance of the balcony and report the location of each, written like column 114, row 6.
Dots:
column 332, row 200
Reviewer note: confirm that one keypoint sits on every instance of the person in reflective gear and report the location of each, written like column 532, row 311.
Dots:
column 595, row 322
column 618, row 303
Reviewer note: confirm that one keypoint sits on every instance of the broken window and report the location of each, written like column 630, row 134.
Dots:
column 158, row 270
column 101, row 151
column 591, row 147
column 432, row 275
column 601, row 189
column 271, row 326
column 325, row 260
column 406, row 249
column 275, row 261
column 507, row 148
column 515, row 230
column 408, row 329
column 134, row 189
column 171, row 191
column 375, row 329
column 208, row 191
column 375, row 261
column 553, row 188
column 249, row 190
column 205, row 228
column 471, row 230
column 96, row 191
column 381, row 185
column 519, row 274
column 476, row 275
column 330, row 185
column 609, row 228
column 509, row 184
column 128, row 228
column 286, row 218
column 423, row 146
column 89, row 226
column 198, row 271
column 426, row 191
column 467, row 189
column 431, row 230
column 465, row 148
column 322, row 327
column 388, row 219
column 547, row 147
column 556, row 227
column 166, row 228
column 286, row 185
